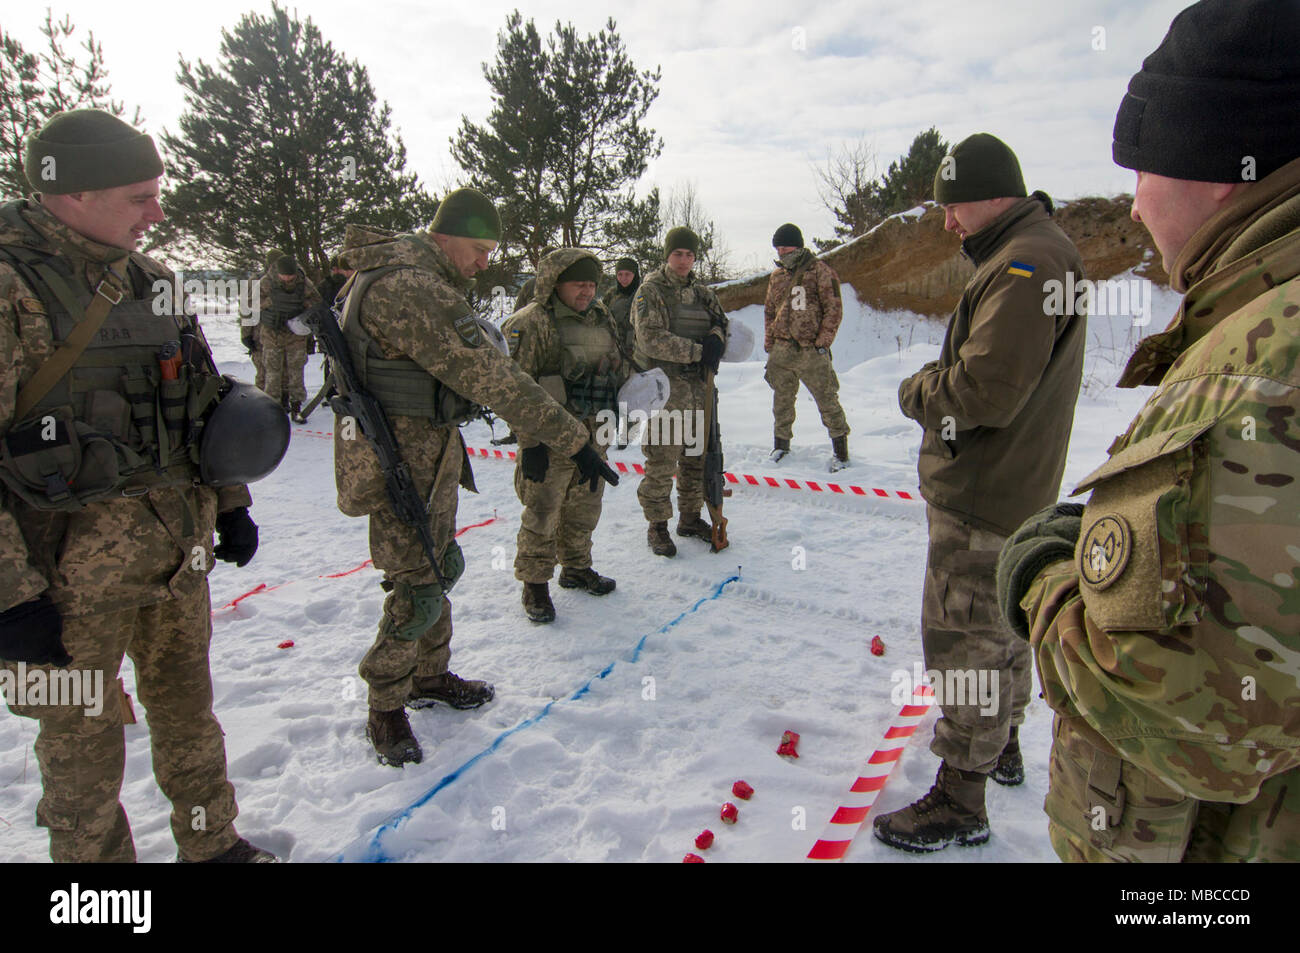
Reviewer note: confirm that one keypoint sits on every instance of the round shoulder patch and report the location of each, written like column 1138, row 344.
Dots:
column 1105, row 551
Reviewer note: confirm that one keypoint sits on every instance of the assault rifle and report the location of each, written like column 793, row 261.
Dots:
column 352, row 401
column 715, row 480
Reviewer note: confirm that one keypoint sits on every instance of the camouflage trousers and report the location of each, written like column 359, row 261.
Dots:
column 673, row 444
column 82, row 756
column 391, row 662
column 284, row 355
column 968, row 644
column 1102, row 809
column 788, row 366
column 560, row 514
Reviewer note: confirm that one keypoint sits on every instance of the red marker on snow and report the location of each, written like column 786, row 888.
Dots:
column 730, row 813
column 877, row 646
column 705, row 840
column 285, row 645
column 788, row 742
column 692, row 859
column 742, row 790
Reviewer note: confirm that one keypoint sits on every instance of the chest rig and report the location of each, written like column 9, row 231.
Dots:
column 590, row 365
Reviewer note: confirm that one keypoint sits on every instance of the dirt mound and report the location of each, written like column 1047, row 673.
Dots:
column 908, row 262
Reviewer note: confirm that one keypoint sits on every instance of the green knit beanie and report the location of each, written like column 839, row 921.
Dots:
column 286, row 265
column 272, row 256
column 979, row 167
column 468, row 213
column 681, row 237
column 627, row 264
column 85, row 150
column 586, row 268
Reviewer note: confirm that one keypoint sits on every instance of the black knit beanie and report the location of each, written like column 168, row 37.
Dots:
column 788, row 236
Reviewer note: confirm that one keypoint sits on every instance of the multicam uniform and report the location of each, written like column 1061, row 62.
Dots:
column 801, row 317
column 577, row 358
column 1170, row 646
column 120, row 538
column 420, row 353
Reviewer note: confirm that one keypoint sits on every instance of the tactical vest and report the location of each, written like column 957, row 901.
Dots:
column 402, row 387
column 589, row 364
column 286, row 303
column 692, row 321
column 116, row 423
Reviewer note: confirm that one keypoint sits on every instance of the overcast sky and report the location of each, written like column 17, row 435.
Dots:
column 754, row 92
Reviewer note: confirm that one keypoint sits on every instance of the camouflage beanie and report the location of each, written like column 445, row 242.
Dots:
column 286, row 265
column 1210, row 103
column 586, row 268
column 467, row 213
column 681, row 237
column 628, row 264
column 979, row 167
column 788, row 236
column 85, row 150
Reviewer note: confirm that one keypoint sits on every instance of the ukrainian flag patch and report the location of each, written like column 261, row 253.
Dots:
column 1020, row 269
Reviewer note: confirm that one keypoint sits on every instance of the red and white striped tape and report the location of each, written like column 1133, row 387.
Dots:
column 850, row 815
column 747, row 479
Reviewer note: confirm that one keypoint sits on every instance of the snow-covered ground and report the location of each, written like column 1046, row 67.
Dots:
column 640, row 762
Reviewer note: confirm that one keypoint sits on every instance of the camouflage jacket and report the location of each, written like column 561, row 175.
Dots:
column 1173, row 637
column 534, row 339
column 803, row 304
column 619, row 303
column 652, row 311
column 998, row 405
column 310, row 296
column 420, row 313
column 111, row 555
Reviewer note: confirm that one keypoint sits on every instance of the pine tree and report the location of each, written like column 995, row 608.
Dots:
column 281, row 146
column 35, row 86
column 564, row 143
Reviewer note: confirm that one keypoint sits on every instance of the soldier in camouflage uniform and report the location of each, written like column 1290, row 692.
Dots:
column 109, row 556
column 997, row 409
column 681, row 328
column 249, row 335
column 284, row 347
column 1163, row 615
column 419, row 351
column 801, row 317
column 569, row 344
column 627, row 277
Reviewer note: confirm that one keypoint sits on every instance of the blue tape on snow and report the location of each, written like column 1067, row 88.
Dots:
column 372, row 851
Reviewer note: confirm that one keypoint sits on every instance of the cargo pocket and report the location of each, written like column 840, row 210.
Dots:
column 1109, row 805
column 55, row 819
column 1142, row 564
column 58, row 463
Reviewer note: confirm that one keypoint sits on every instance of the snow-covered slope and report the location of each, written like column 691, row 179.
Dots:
column 640, row 762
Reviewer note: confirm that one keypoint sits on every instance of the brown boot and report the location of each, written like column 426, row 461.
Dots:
column 390, row 733
column 661, row 544
column 537, row 602
column 588, row 580
column 448, row 689
column 953, row 811
column 696, row 527
column 1010, row 769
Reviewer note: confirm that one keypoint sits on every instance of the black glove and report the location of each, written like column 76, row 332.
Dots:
column 534, row 462
column 236, row 537
column 33, row 632
column 1049, row 535
column 713, row 346
column 592, row 468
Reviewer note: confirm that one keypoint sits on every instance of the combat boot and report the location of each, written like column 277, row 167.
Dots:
column 953, row 811
column 537, row 602
column 694, row 526
column 448, row 689
column 390, row 733
column 295, row 412
column 1010, row 769
column 661, row 544
column 587, row 580
column 240, row 852
column 840, row 448
column 780, row 447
